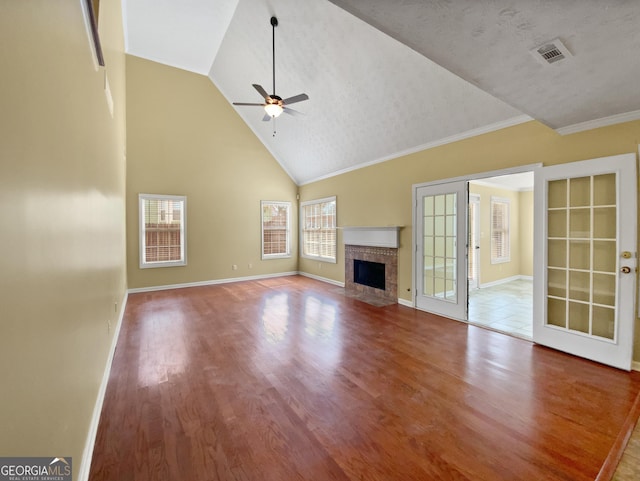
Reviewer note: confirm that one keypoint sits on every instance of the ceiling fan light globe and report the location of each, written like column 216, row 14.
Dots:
column 273, row 110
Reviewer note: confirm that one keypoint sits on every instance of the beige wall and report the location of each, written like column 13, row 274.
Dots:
column 521, row 229
column 184, row 138
column 382, row 193
column 62, row 181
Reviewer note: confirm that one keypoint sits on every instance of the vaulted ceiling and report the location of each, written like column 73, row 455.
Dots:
column 386, row 77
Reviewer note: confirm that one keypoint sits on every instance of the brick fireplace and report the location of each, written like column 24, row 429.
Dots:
column 377, row 245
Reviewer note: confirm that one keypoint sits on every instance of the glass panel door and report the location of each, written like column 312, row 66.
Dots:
column 440, row 241
column 587, row 238
column 439, row 246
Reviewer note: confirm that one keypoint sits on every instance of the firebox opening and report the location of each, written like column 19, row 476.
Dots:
column 369, row 274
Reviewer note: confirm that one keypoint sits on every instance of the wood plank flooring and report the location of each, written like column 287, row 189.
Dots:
column 288, row 379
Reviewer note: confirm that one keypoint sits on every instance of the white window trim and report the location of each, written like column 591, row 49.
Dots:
column 331, row 260
column 502, row 200
column 142, row 237
column 288, row 249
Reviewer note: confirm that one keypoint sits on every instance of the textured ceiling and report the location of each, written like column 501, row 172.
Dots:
column 488, row 43
column 371, row 96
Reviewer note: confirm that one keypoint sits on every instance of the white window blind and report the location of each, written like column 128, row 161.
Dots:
column 500, row 238
column 318, row 229
column 162, row 230
column 275, row 229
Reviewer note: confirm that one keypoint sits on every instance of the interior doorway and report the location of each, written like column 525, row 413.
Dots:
column 500, row 253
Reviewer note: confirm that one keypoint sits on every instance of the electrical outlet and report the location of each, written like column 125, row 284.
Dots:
column 115, row 307
column 250, row 265
column 234, row 267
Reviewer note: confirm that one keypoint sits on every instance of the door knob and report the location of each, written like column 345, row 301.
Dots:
column 625, row 269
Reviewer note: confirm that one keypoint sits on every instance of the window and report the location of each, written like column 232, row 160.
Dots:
column 275, row 229
column 318, row 229
column 500, row 251
column 163, row 233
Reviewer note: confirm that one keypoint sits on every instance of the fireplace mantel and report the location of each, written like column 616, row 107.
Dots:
column 386, row 236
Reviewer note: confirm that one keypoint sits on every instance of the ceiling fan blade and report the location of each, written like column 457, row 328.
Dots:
column 261, row 91
column 295, row 98
column 266, row 118
column 289, row 111
column 244, row 103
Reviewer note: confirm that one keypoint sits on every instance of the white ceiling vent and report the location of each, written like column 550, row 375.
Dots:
column 551, row 52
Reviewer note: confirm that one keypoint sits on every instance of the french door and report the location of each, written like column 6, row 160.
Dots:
column 585, row 258
column 441, row 280
column 473, row 241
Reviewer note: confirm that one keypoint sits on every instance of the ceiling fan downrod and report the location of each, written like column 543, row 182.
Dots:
column 274, row 24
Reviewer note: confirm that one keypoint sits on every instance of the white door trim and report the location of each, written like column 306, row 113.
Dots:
column 475, row 251
column 480, row 175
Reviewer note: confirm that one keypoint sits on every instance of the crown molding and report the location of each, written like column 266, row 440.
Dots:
column 503, row 124
column 597, row 123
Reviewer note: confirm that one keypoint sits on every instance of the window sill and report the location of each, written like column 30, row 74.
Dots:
column 163, row 264
column 501, row 260
column 320, row 259
column 276, row 256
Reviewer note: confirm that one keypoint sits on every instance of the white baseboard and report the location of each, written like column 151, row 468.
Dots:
column 323, row 279
column 210, row 282
column 635, row 365
column 87, row 454
column 505, row 280
column 404, row 302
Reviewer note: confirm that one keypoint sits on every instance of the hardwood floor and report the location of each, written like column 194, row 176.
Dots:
column 288, row 379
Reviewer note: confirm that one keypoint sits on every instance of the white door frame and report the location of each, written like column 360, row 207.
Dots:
column 475, row 250
column 468, row 178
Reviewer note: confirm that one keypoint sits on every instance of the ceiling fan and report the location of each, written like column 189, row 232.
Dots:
column 273, row 104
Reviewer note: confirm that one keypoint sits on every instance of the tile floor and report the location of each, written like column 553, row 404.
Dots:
column 505, row 307
column 629, row 467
